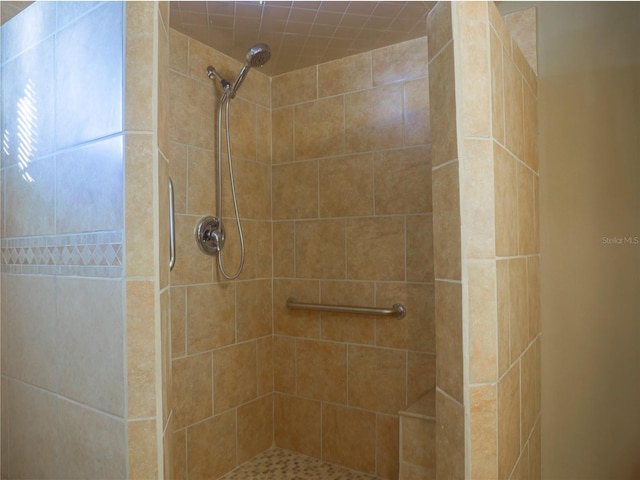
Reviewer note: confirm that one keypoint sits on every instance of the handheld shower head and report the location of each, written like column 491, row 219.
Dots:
column 257, row 56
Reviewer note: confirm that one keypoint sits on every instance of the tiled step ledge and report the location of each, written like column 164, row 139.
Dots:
column 418, row 439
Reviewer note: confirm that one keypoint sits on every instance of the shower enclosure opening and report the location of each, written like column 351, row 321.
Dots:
column 210, row 232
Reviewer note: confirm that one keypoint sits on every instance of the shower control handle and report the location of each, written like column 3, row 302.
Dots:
column 210, row 235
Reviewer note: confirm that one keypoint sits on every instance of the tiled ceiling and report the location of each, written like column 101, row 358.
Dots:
column 300, row 33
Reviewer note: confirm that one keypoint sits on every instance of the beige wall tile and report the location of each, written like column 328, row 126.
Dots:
column 508, row 421
column 497, row 86
column 344, row 75
column 387, row 446
column 179, row 51
column 418, row 441
column 253, row 307
column 201, row 186
column 180, row 455
column 375, row 248
column 409, row 471
column 377, row 378
column 138, row 203
column 450, row 448
column 474, row 76
column 192, row 389
column 321, row 370
column 282, row 140
column 141, row 368
column 319, row 128
column 420, row 248
column 284, row 364
column 264, row 356
column 139, row 66
column 416, row 331
column 484, row 428
column 283, row 249
column 518, row 310
column 320, row 249
column 400, row 62
column 346, row 186
column 295, row 87
column 211, row 447
column 297, row 424
column 473, row 10
column 211, row 319
column 443, row 107
column 479, row 199
column 535, row 453
column 403, row 181
column 345, row 327
column 533, row 288
column 348, row 437
column 178, row 171
column 530, row 390
column 143, row 457
column 295, row 322
column 527, row 233
column 255, row 428
column 295, row 190
column 178, row 321
column 530, row 102
column 373, row 119
column 503, row 316
column 417, row 127
column 506, row 202
column 194, row 266
column 439, row 28
column 446, row 222
column 421, row 375
column 242, row 127
column 264, row 135
column 449, row 367
column 234, row 375
column 263, row 248
column 514, row 118
column 497, row 22
column 163, row 101
column 483, row 322
column 191, row 111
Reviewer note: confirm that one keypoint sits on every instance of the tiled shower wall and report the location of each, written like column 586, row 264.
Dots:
column 487, row 246
column 351, row 215
column 352, row 225
column 221, row 330
column 63, row 372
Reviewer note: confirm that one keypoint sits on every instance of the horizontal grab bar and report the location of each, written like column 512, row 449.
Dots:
column 398, row 310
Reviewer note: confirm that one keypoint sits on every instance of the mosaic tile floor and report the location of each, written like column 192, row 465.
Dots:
column 279, row 464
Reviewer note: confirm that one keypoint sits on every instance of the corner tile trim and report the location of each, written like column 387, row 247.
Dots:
column 99, row 254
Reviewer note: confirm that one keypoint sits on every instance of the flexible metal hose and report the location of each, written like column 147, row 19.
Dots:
column 224, row 103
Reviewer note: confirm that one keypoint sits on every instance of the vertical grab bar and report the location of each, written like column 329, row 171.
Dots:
column 172, row 228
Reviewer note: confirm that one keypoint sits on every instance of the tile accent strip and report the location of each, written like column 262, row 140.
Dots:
column 98, row 254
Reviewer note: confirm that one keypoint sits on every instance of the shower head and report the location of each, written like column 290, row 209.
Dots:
column 257, row 56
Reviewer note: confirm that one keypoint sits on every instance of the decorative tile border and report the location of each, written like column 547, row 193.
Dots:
column 99, row 254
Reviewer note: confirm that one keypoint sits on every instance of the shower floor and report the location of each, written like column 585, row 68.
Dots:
column 279, row 464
